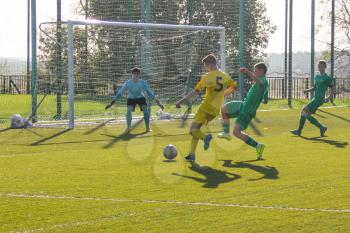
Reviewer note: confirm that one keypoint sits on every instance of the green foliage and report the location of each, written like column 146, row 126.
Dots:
column 111, row 52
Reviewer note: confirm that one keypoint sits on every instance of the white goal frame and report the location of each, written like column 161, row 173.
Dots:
column 72, row 23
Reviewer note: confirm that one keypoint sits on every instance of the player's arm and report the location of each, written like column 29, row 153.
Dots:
column 119, row 94
column 151, row 95
column 309, row 90
column 331, row 94
column 187, row 97
column 231, row 89
column 246, row 71
column 266, row 97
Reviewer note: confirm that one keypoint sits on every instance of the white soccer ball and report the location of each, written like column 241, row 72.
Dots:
column 17, row 121
column 170, row 152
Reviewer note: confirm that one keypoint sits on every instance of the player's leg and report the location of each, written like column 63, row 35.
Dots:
column 228, row 111
column 196, row 132
column 130, row 109
column 316, row 123
column 242, row 124
column 146, row 117
column 201, row 118
column 196, row 136
column 305, row 112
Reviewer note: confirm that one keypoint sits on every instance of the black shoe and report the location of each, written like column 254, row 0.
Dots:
column 190, row 158
column 296, row 132
column 323, row 131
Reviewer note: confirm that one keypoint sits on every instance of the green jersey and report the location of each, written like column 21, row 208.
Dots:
column 322, row 83
column 256, row 94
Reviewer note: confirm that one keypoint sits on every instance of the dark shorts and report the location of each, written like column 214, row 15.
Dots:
column 133, row 102
column 314, row 105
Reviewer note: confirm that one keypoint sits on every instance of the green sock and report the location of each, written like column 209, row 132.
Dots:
column 302, row 122
column 315, row 122
column 251, row 142
column 226, row 126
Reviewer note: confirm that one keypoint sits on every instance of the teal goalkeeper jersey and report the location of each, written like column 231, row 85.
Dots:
column 256, row 94
column 135, row 90
column 322, row 83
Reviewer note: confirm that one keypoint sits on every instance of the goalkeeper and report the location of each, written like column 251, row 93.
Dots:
column 136, row 89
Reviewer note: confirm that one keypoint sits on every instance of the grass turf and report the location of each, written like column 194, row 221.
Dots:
column 127, row 184
column 89, row 107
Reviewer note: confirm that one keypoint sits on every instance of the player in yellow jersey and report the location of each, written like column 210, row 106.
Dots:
column 217, row 84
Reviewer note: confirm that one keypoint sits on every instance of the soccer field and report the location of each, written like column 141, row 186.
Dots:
column 91, row 179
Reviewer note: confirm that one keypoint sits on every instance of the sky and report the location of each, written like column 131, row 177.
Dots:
column 13, row 24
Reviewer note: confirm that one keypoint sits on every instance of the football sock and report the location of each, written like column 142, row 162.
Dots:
column 129, row 117
column 197, row 133
column 302, row 123
column 251, row 142
column 146, row 117
column 315, row 122
column 226, row 126
column 194, row 144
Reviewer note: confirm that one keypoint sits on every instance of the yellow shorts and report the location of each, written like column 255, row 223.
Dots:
column 203, row 118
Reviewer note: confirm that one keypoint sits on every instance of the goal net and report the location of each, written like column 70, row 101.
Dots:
column 101, row 55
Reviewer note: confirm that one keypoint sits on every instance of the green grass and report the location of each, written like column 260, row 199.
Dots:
column 95, row 163
column 89, row 108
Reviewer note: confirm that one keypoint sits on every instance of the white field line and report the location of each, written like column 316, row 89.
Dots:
column 75, row 224
column 180, row 203
column 287, row 109
column 119, row 120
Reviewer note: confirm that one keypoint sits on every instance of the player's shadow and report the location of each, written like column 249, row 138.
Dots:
column 41, row 141
column 338, row 144
column 267, row 171
column 213, row 177
column 334, row 115
column 122, row 137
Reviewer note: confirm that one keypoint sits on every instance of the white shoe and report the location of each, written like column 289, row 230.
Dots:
column 226, row 136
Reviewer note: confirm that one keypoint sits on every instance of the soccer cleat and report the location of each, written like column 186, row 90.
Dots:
column 148, row 130
column 207, row 140
column 323, row 131
column 260, row 150
column 190, row 158
column 224, row 135
column 296, row 132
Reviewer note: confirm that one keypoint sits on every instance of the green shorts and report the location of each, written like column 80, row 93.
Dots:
column 314, row 105
column 243, row 120
column 233, row 108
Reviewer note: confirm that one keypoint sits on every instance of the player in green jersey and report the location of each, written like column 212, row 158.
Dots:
column 245, row 111
column 322, row 83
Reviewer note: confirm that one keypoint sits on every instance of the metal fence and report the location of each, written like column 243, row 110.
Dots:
column 20, row 84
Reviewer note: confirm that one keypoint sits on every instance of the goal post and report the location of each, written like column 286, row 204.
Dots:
column 161, row 33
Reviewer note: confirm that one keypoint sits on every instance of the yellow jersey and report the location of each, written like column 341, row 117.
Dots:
column 215, row 82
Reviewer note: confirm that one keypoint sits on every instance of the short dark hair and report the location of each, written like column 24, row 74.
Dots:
column 322, row 62
column 136, row 70
column 261, row 66
column 210, row 60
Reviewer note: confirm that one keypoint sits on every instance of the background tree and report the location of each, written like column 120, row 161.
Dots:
column 112, row 51
column 342, row 34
